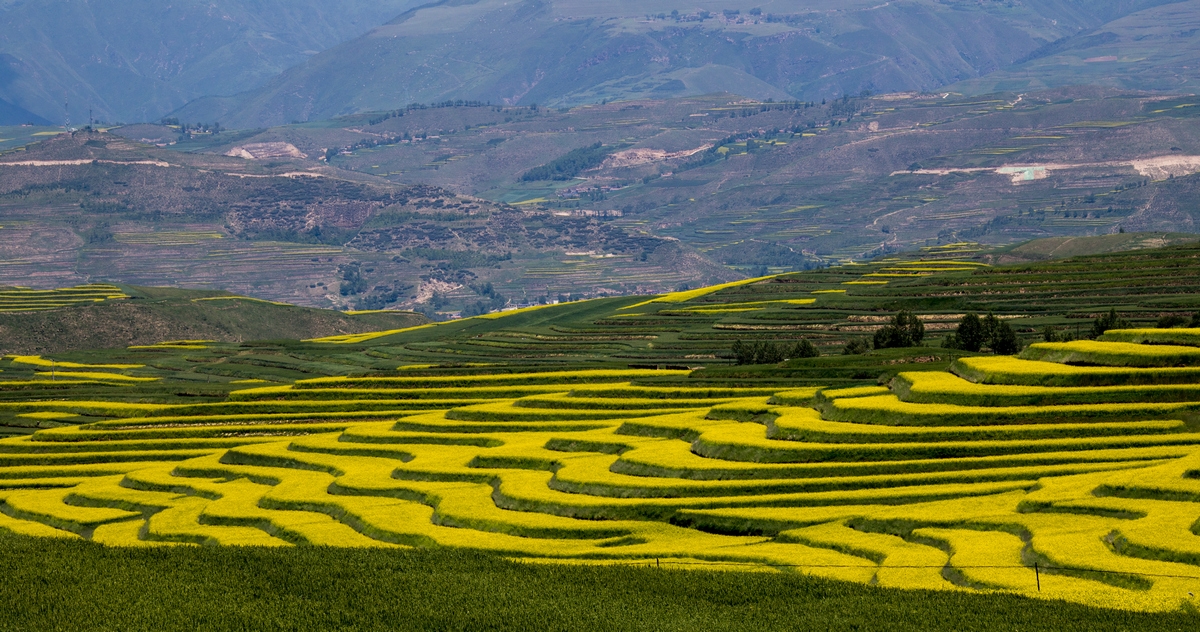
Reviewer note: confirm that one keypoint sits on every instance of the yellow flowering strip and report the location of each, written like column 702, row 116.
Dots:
column 934, row 387
column 1113, row 354
column 890, row 410
column 354, row 339
column 1009, row 370
column 95, row 376
column 689, row 295
column 512, row 312
column 40, row 361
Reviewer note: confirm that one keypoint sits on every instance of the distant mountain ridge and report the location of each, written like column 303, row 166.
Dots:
column 565, row 53
column 268, row 62
column 136, row 60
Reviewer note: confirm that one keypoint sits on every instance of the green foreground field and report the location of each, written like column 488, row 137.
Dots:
column 317, row 588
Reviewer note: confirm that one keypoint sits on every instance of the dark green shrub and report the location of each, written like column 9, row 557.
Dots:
column 1108, row 321
column 1171, row 321
column 905, row 330
column 1053, row 334
column 804, row 349
column 762, row 352
column 856, row 346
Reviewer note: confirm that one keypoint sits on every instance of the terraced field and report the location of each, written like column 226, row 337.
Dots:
column 1014, row 474
column 22, row 299
column 829, row 307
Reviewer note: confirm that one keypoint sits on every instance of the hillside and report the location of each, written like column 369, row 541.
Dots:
column 566, row 436
column 148, row 316
column 1152, row 49
column 96, row 207
column 563, row 53
column 697, row 328
column 784, row 185
column 829, row 307
column 439, row 208
column 1064, row 247
column 134, row 60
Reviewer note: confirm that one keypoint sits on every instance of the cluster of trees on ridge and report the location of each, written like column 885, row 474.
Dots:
column 973, row 334
column 991, row 333
column 763, row 352
column 570, row 165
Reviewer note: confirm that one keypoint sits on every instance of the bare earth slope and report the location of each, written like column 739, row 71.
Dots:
column 92, row 207
column 754, row 183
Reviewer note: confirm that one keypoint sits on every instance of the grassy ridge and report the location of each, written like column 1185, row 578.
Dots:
column 147, row 316
column 336, row 589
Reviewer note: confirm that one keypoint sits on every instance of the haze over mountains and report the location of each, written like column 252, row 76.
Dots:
column 249, row 64
column 136, row 60
column 567, row 52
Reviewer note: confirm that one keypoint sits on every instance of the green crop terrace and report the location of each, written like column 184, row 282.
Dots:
column 588, row 434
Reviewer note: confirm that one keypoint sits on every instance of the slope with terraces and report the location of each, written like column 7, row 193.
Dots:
column 959, row 480
column 585, row 433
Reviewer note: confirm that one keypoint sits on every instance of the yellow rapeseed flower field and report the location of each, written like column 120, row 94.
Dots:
column 1078, row 483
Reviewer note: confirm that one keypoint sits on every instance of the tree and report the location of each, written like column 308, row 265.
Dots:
column 805, row 349
column 905, row 330
column 989, row 323
column 1052, row 334
column 1108, row 321
column 969, row 336
column 856, row 346
column 762, row 352
column 974, row 334
column 1004, row 340
column 1171, row 321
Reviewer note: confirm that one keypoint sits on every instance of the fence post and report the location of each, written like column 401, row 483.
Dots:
column 1038, row 575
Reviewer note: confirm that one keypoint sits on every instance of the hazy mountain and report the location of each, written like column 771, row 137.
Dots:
column 566, row 52
column 1153, row 49
column 134, row 60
